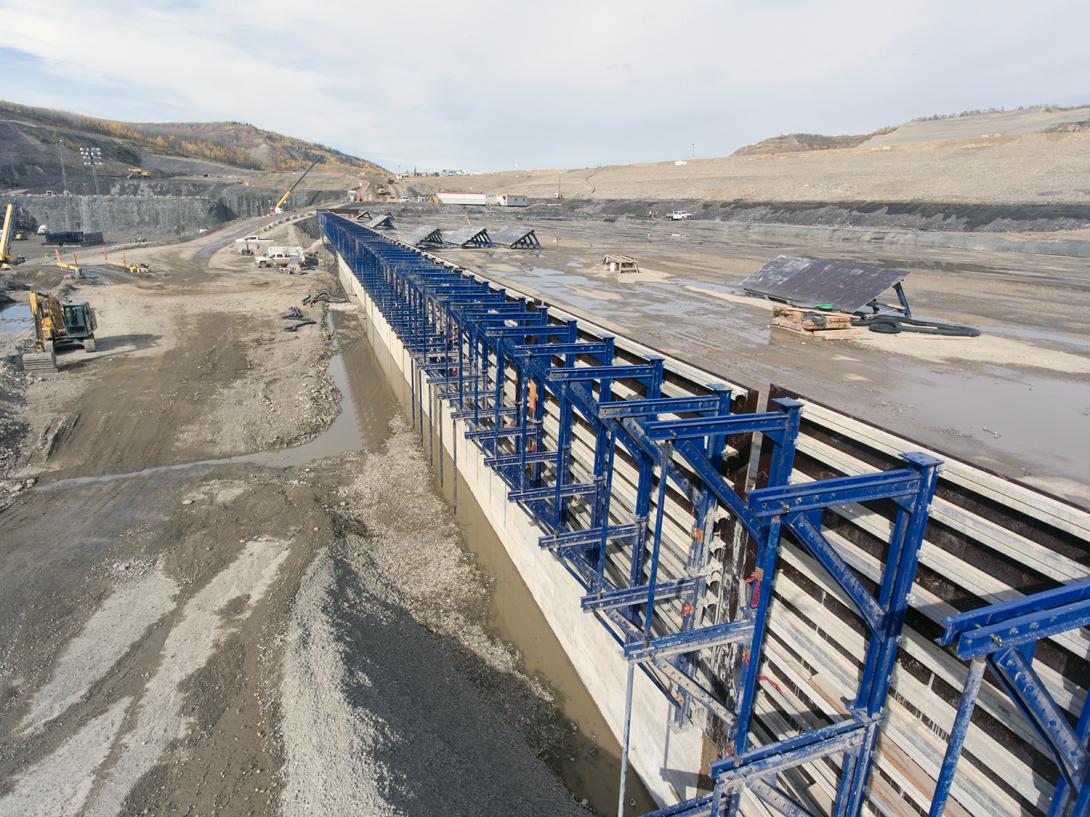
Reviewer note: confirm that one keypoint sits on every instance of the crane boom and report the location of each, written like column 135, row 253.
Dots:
column 7, row 260
column 5, row 234
column 284, row 198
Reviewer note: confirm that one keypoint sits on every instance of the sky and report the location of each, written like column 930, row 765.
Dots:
column 485, row 85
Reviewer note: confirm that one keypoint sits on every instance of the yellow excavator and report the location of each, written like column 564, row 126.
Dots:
column 7, row 260
column 139, row 173
column 57, row 323
column 280, row 202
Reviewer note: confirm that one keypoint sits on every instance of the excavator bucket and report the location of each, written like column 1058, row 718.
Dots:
column 40, row 361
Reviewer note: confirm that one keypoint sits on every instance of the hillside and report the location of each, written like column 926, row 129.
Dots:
column 796, row 142
column 29, row 146
column 1038, row 155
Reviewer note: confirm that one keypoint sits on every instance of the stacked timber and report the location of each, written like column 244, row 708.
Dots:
column 814, row 323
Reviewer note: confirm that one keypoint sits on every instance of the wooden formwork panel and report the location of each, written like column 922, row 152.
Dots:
column 988, row 539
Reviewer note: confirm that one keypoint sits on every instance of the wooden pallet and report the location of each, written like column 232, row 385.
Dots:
column 813, row 323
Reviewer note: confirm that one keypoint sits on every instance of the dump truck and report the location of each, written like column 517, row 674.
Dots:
column 57, row 323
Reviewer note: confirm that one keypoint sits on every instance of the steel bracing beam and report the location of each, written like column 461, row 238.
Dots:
column 1003, row 637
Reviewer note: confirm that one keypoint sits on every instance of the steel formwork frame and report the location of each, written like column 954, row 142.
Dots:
column 499, row 360
column 1003, row 637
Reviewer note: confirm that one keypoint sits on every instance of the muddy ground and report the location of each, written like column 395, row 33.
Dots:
column 1015, row 400
column 227, row 588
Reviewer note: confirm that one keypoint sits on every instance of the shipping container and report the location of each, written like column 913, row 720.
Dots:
column 475, row 199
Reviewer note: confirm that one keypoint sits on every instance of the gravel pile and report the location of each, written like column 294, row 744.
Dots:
column 396, row 698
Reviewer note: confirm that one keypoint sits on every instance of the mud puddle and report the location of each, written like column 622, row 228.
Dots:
column 14, row 317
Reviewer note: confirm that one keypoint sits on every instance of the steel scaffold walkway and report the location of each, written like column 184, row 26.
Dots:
column 522, row 380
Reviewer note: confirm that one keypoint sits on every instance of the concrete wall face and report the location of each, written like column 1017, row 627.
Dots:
column 135, row 206
column 663, row 756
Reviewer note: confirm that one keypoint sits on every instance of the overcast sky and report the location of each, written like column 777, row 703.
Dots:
column 487, row 85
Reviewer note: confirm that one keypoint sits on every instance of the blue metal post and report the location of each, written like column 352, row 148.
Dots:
column 964, row 716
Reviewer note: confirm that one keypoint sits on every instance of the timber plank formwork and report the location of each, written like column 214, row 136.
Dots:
column 636, row 471
column 989, row 539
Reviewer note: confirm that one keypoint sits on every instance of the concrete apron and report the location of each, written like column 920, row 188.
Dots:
column 665, row 758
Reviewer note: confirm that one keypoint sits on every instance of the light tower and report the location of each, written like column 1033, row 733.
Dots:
column 92, row 158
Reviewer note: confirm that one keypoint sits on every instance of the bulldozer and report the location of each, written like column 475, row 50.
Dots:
column 57, row 323
column 139, row 173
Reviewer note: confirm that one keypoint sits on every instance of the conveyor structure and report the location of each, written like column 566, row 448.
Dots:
column 521, row 380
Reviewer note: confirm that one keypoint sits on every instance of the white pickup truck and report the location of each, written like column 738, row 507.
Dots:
column 276, row 257
column 282, row 257
column 680, row 215
column 250, row 238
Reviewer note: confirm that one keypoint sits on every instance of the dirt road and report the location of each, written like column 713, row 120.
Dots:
column 222, row 594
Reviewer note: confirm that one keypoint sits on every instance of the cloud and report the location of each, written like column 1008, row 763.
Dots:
column 487, row 84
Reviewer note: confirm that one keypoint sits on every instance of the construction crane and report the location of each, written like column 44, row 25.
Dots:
column 7, row 260
column 57, row 322
column 276, row 208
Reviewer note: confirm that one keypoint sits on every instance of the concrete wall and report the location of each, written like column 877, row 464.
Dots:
column 120, row 214
column 663, row 757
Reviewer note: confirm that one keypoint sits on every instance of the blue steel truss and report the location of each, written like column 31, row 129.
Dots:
column 499, row 360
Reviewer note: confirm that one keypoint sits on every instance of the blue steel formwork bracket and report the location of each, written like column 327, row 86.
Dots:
column 796, row 510
column 464, row 336
column 1003, row 637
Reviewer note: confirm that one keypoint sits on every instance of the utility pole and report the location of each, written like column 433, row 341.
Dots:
column 92, row 158
column 64, row 175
